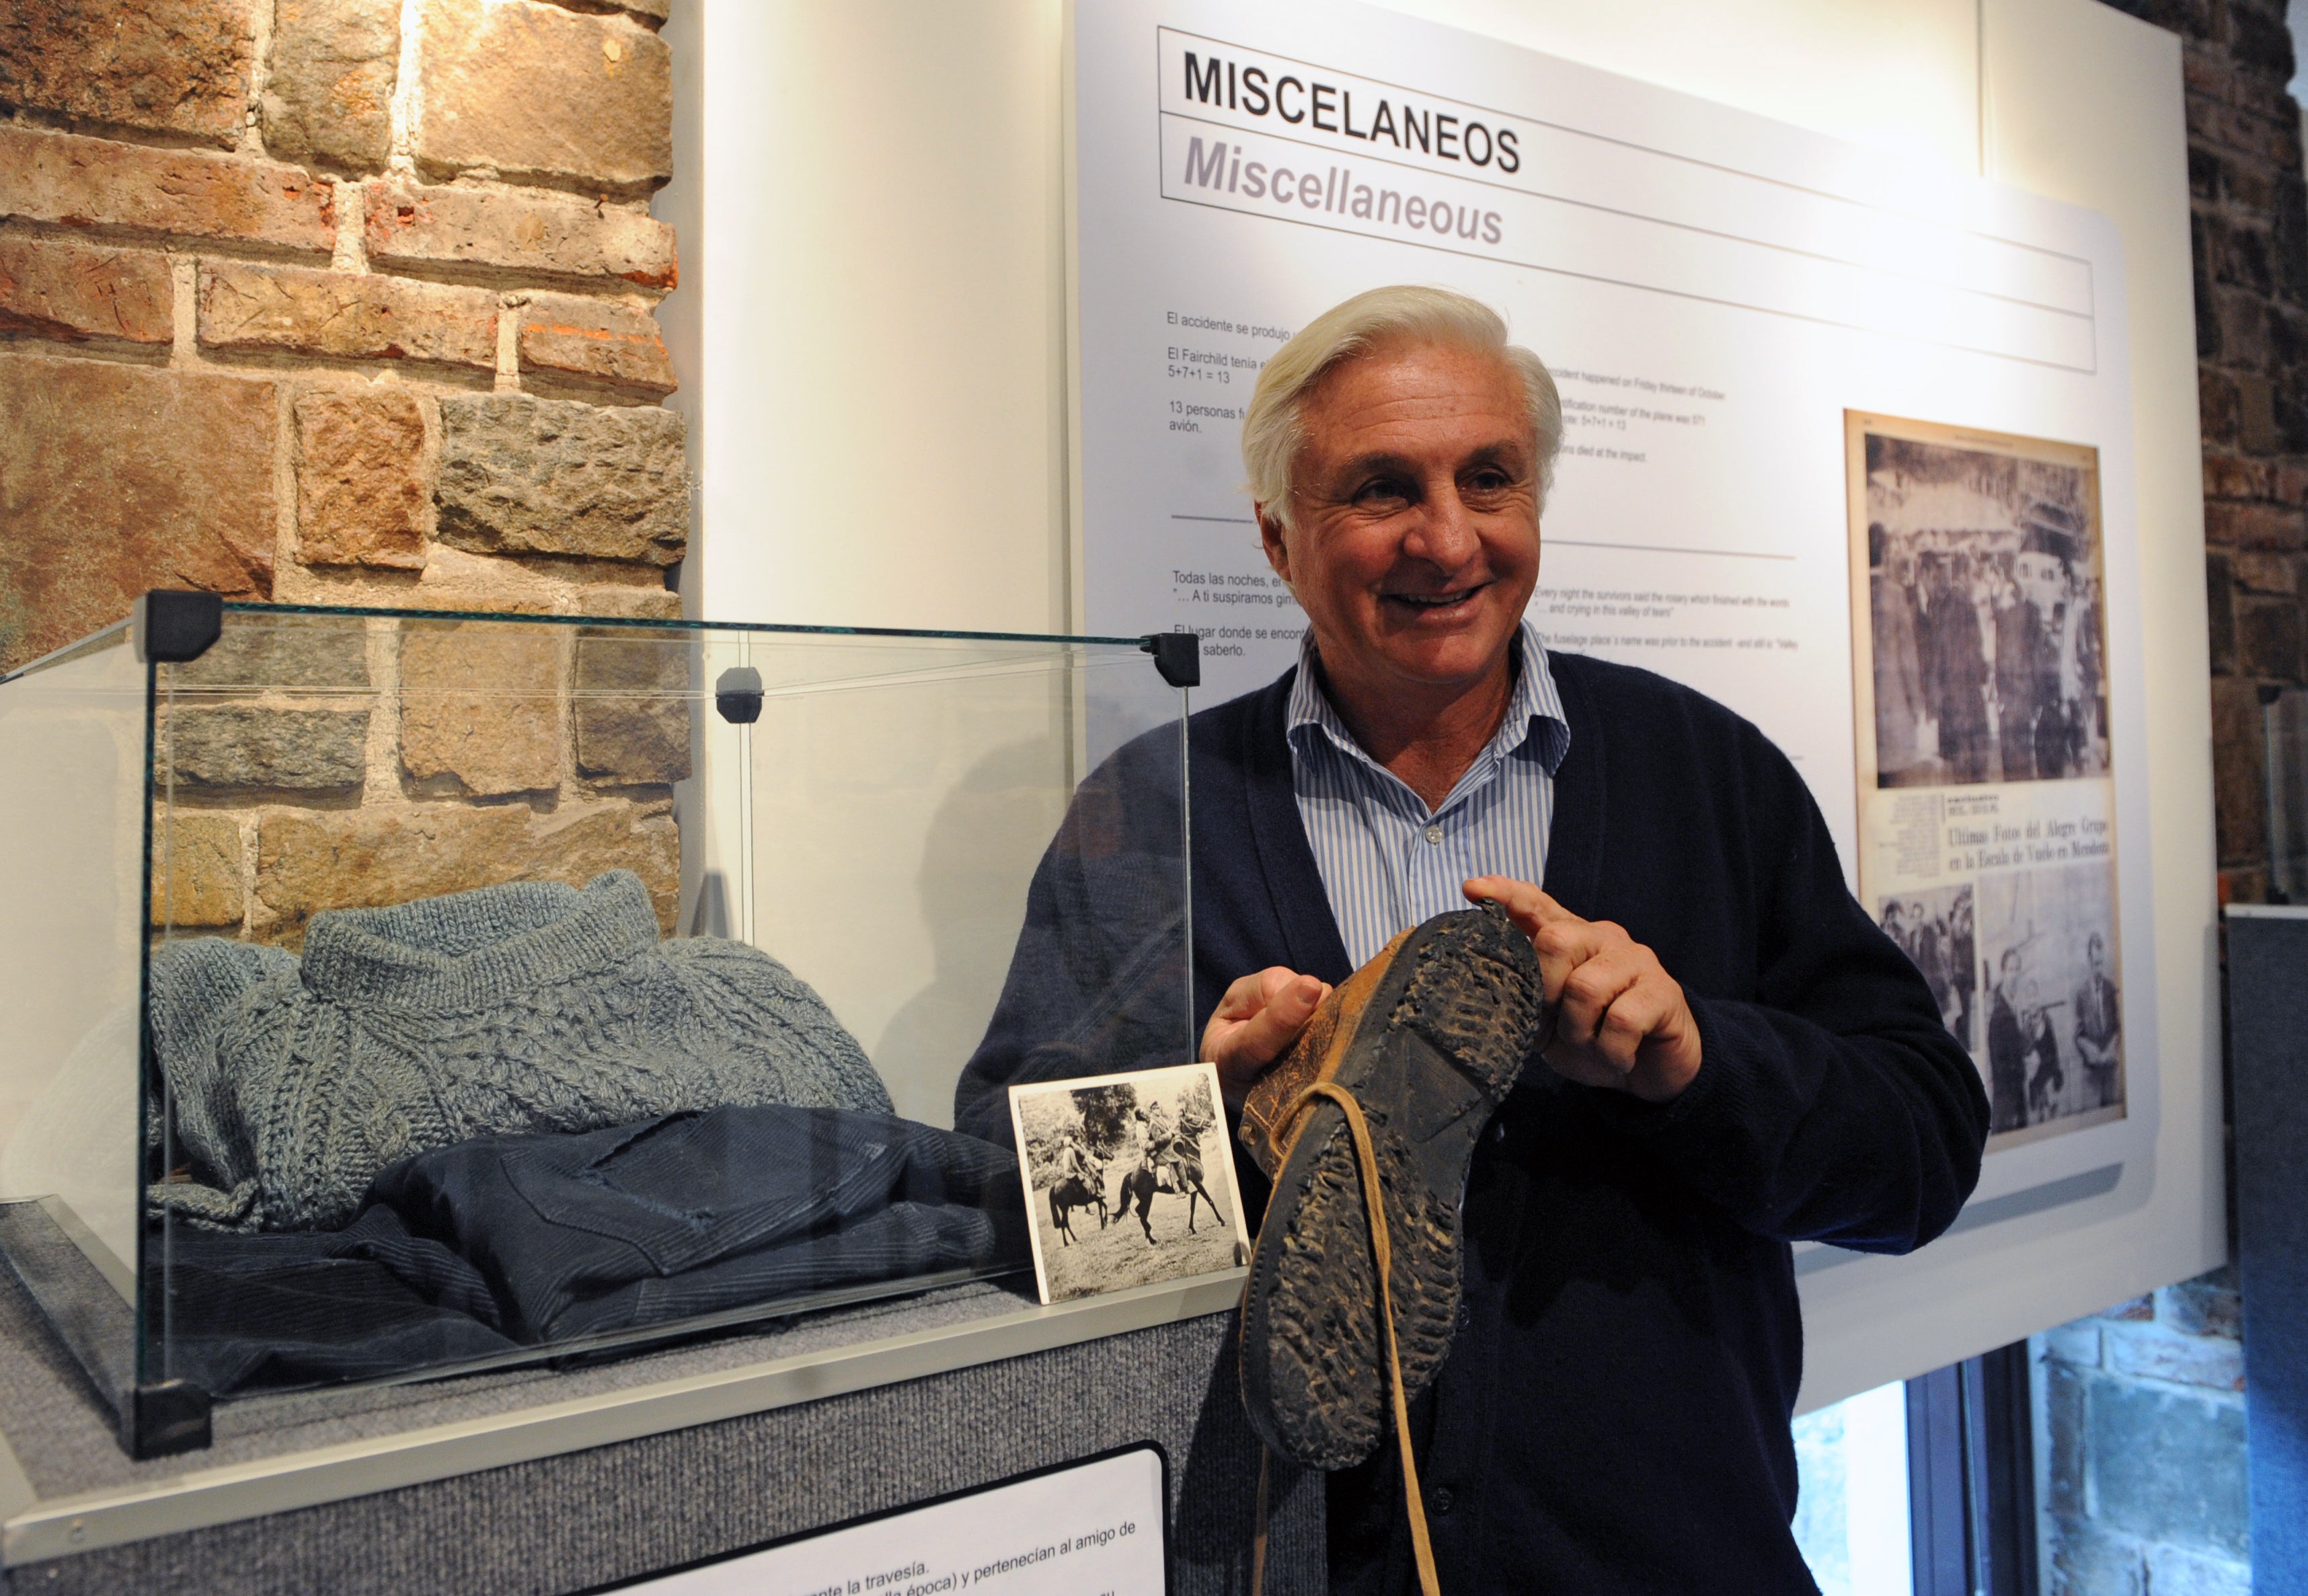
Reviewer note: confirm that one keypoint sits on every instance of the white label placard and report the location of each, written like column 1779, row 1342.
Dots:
column 1714, row 293
column 1094, row 1526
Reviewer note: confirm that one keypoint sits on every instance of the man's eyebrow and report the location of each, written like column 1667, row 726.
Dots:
column 1378, row 462
column 1381, row 461
column 1510, row 455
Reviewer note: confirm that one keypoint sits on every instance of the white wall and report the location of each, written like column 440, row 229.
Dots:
column 871, row 332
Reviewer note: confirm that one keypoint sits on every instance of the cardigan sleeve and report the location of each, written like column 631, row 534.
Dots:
column 1834, row 1105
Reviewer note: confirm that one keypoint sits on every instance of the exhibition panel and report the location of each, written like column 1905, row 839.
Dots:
column 438, row 1072
column 1848, row 444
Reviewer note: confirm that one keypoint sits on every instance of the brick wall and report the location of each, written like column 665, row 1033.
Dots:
column 2143, row 1404
column 349, row 302
column 332, row 301
column 2250, row 238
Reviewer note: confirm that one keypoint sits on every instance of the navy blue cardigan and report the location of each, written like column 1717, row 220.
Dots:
column 1614, row 1416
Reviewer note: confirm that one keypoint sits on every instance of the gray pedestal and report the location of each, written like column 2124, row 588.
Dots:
column 2268, row 1036
column 508, row 1485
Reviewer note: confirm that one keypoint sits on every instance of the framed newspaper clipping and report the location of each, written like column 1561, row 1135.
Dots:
column 1986, row 802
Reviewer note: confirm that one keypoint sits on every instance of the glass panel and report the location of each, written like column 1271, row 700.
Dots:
column 523, row 985
column 910, row 789
column 1851, row 1517
column 72, row 768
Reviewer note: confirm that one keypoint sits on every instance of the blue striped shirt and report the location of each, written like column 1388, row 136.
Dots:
column 1387, row 863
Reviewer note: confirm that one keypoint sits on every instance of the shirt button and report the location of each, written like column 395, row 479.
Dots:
column 1441, row 1500
column 1434, row 833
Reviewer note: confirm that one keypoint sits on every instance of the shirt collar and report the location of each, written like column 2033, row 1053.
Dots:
column 1535, row 726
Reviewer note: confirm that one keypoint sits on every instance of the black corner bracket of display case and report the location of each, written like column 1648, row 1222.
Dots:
column 1178, row 655
column 88, row 1305
column 176, row 628
column 737, row 694
column 163, row 1420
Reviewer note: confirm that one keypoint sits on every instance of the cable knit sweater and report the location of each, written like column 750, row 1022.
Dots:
column 531, row 1007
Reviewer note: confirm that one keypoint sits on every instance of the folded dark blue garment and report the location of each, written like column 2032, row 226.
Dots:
column 695, row 1212
column 481, row 1248
column 269, row 1312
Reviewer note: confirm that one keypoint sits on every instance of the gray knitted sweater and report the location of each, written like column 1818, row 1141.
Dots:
column 532, row 1006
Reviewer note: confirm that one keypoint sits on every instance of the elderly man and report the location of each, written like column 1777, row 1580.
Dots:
column 1740, row 1057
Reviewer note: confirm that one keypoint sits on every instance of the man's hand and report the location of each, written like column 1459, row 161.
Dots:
column 1255, row 1023
column 1622, row 1020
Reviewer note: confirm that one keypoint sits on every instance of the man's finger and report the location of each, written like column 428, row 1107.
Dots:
column 1250, row 993
column 1260, row 1016
column 1632, row 1016
column 1267, row 1034
column 1565, row 946
column 1516, row 896
column 1589, row 991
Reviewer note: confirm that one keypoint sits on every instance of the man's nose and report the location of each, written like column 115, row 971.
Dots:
column 1445, row 535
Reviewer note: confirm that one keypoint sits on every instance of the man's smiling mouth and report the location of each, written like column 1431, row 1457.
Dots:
column 1434, row 603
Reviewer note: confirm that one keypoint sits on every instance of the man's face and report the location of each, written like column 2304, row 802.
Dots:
column 2042, row 578
column 2098, row 953
column 1414, row 546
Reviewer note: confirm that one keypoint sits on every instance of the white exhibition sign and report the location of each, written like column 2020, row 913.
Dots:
column 1095, row 1526
column 1722, row 299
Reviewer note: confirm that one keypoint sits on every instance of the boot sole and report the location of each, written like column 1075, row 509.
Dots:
column 1429, row 1058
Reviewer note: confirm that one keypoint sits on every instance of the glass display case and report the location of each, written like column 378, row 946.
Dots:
column 395, row 994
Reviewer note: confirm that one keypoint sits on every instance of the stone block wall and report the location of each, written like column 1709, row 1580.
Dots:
column 328, row 763
column 350, row 302
column 2144, row 1442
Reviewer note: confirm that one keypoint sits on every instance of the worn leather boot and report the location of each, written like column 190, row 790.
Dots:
column 1427, row 1039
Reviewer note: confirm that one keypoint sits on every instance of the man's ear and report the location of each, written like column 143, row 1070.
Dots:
column 1271, row 534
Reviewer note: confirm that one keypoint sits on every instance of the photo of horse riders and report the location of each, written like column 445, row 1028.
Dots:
column 1128, row 1180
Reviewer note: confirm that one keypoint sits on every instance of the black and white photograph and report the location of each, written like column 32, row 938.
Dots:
column 1128, row 1180
column 1982, row 633
column 2053, row 1048
column 1934, row 929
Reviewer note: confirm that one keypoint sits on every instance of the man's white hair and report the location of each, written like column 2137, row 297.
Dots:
column 1272, row 427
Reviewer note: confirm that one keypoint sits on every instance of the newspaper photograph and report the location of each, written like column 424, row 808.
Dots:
column 1986, row 806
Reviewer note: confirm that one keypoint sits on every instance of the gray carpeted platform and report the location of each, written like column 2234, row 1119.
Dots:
column 563, row 1523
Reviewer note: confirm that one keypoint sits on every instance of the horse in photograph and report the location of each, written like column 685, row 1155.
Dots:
column 1074, row 1190
column 1139, row 1186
